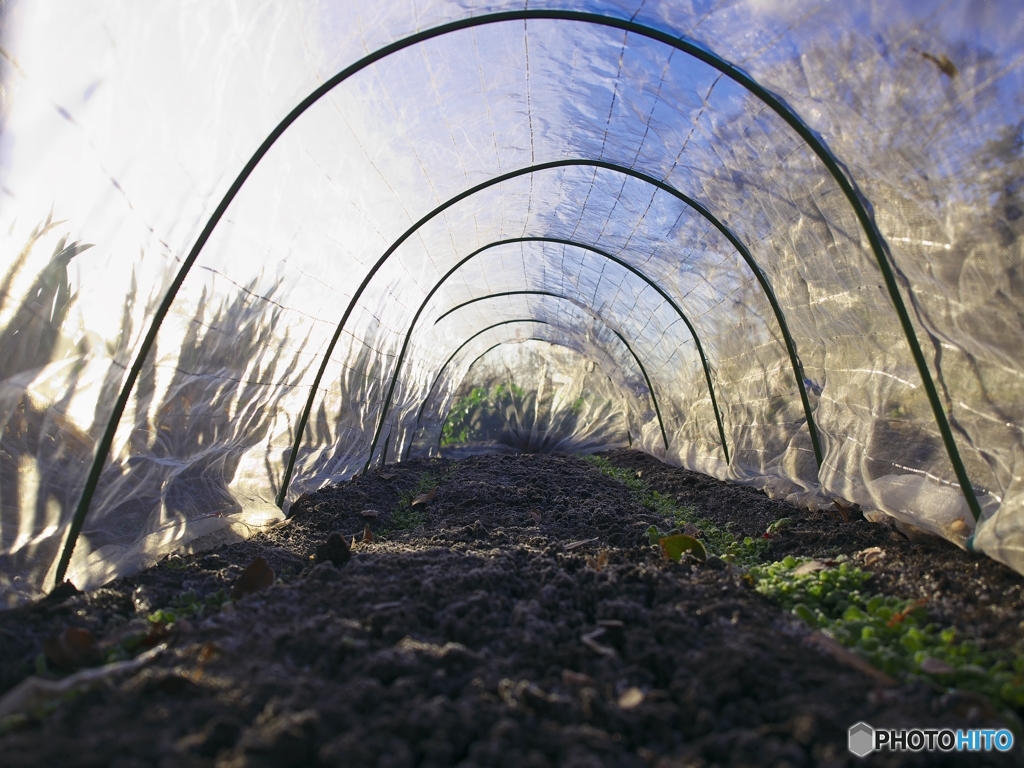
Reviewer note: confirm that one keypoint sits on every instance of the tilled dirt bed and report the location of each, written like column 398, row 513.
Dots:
column 488, row 635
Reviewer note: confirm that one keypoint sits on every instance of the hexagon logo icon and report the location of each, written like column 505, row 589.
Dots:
column 862, row 739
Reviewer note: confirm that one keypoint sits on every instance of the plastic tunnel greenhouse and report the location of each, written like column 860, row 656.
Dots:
column 250, row 248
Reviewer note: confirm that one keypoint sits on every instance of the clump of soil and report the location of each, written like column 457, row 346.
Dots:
column 484, row 633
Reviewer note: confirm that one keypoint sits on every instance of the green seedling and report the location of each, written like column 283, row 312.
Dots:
column 456, row 427
column 715, row 539
column 188, row 605
column 654, row 535
column 892, row 634
column 747, row 553
column 459, row 428
column 407, row 516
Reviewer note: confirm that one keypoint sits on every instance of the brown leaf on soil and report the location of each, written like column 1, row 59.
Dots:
column 812, row 566
column 207, row 653
column 535, row 514
column 871, row 555
column 335, row 550
column 369, row 514
column 844, row 507
column 897, row 618
column 599, row 562
column 424, row 498
column 73, row 648
column 849, row 658
column 256, row 576
column 959, row 528
column 367, row 534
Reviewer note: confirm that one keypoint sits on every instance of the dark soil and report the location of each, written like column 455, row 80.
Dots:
column 482, row 638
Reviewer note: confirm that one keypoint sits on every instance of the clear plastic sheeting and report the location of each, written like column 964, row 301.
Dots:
column 251, row 248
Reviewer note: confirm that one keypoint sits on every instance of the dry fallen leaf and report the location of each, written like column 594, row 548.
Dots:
column 369, row 514
column 844, row 507
column 631, row 698
column 256, row 576
column 207, row 653
column 897, row 618
column 335, row 550
column 73, row 648
column 960, row 528
column 812, row 566
column 367, row 534
column 535, row 514
column 598, row 562
column 871, row 555
column 424, row 498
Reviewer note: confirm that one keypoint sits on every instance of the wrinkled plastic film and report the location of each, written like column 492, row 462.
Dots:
column 130, row 123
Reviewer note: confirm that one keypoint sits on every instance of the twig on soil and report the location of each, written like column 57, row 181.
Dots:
column 590, row 640
column 578, row 544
